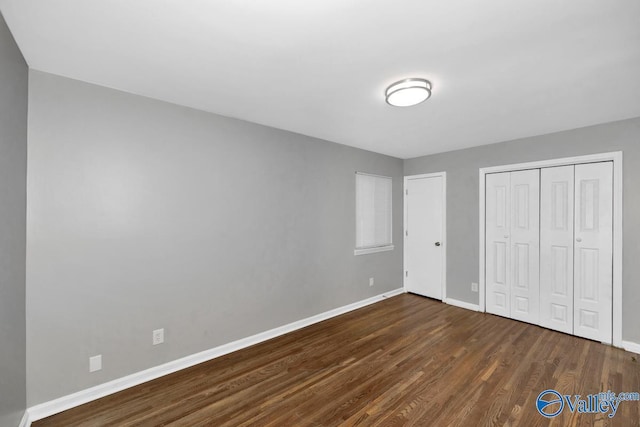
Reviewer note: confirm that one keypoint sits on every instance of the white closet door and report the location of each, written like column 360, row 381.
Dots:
column 525, row 245
column 556, row 248
column 593, row 251
column 497, row 243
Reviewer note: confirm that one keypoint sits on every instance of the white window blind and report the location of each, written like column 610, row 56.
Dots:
column 373, row 213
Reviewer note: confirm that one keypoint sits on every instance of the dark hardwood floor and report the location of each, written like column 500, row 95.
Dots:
column 407, row 360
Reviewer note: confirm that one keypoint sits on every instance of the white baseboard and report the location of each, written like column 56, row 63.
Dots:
column 462, row 304
column 55, row 406
column 25, row 421
column 631, row 346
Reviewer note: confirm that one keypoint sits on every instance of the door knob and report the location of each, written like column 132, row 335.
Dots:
column 437, row 243
column 578, row 240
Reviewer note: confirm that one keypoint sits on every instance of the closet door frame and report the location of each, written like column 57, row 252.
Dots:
column 616, row 158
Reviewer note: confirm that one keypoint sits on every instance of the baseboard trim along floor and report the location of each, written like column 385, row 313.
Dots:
column 64, row 403
column 406, row 360
column 462, row 304
column 631, row 346
column 26, row 420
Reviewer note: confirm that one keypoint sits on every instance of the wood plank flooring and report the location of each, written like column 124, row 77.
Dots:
column 407, row 360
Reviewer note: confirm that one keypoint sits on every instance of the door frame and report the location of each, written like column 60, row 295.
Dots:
column 442, row 175
column 616, row 158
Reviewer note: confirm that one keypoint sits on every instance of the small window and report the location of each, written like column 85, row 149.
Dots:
column 373, row 214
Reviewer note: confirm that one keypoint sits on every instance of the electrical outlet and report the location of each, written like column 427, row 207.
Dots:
column 158, row 336
column 95, row 363
column 474, row 287
column 370, row 281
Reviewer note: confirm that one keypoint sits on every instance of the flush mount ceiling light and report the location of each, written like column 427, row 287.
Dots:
column 408, row 92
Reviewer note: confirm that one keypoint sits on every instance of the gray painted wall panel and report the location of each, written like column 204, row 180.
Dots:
column 462, row 205
column 146, row 215
column 13, row 170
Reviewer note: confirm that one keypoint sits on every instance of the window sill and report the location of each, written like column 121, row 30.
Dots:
column 365, row 251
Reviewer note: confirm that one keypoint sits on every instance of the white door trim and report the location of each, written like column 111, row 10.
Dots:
column 443, row 175
column 616, row 158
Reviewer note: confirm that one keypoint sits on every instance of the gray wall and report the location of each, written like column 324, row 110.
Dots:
column 145, row 215
column 13, row 172
column 462, row 200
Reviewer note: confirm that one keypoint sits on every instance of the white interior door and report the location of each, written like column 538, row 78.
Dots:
column 593, row 251
column 424, row 234
column 525, row 245
column 498, row 229
column 556, row 248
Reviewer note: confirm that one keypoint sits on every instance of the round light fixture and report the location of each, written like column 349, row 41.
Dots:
column 408, row 92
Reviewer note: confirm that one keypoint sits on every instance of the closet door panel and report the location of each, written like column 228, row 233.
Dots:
column 524, row 245
column 497, row 251
column 593, row 267
column 556, row 248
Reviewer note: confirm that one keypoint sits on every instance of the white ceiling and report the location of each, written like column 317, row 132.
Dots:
column 501, row 69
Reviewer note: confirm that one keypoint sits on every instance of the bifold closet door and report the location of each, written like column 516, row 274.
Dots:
column 576, row 238
column 593, row 266
column 525, row 245
column 512, row 244
column 556, row 248
column 497, row 231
